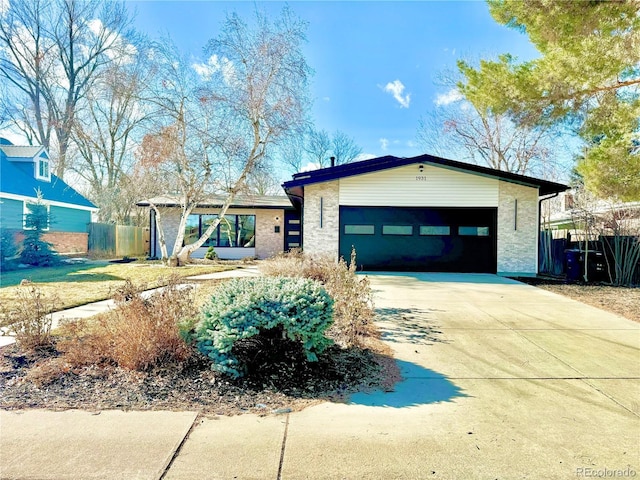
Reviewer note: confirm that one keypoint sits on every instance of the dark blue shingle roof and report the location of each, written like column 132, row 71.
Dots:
column 21, row 181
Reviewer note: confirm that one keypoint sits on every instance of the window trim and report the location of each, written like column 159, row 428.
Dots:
column 42, row 161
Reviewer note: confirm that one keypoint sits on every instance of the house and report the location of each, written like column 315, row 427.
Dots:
column 24, row 173
column 422, row 213
column 253, row 226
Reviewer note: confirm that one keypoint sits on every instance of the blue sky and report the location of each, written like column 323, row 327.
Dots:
column 376, row 63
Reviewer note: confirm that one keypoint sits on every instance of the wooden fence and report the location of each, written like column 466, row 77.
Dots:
column 118, row 240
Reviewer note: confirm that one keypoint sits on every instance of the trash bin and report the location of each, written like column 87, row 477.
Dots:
column 596, row 267
column 573, row 264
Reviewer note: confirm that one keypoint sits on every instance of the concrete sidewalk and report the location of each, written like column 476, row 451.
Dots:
column 502, row 380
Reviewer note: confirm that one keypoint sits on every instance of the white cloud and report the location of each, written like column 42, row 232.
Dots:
column 384, row 143
column 411, row 144
column 396, row 88
column 364, row 156
column 452, row 96
column 214, row 65
column 4, row 6
column 326, row 99
column 310, row 166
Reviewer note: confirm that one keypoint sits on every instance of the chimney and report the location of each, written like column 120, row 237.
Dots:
column 333, row 161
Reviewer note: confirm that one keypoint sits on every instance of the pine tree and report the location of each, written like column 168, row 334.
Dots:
column 35, row 250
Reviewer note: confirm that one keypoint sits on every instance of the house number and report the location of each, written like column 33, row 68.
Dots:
column 421, row 178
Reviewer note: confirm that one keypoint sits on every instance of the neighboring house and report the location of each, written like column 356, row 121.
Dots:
column 568, row 212
column 422, row 213
column 25, row 171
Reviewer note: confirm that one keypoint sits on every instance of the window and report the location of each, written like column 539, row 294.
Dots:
column 397, row 229
column 473, row 231
column 233, row 230
column 359, row 229
column 42, row 169
column 192, row 229
column 435, row 230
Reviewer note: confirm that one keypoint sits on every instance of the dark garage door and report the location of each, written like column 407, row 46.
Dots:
column 420, row 239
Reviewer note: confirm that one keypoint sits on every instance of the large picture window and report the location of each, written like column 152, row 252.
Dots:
column 233, row 230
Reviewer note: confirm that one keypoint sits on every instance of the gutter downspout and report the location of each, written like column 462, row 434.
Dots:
column 540, row 200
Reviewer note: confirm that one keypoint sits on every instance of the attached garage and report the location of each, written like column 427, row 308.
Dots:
column 422, row 214
column 420, row 239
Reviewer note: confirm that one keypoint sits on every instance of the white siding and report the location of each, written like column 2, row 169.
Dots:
column 407, row 187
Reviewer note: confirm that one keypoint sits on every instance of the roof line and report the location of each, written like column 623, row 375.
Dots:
column 388, row 162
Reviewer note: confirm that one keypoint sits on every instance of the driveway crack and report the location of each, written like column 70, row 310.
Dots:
column 284, row 444
column 582, row 377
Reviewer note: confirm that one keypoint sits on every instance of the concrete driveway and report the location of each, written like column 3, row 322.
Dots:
column 502, row 381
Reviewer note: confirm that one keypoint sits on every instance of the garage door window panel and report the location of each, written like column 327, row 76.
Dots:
column 434, row 230
column 359, row 229
column 406, row 230
column 473, row 231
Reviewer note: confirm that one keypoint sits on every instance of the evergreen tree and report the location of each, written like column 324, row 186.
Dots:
column 35, row 250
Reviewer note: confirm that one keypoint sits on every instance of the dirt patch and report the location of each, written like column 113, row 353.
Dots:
column 42, row 380
column 622, row 301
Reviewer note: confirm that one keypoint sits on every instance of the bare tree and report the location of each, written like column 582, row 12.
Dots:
column 252, row 96
column 109, row 129
column 344, row 148
column 459, row 129
column 318, row 147
column 52, row 51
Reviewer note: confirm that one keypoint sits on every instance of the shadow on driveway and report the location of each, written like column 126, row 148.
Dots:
column 420, row 386
column 409, row 325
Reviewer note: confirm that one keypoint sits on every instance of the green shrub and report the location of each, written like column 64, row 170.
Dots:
column 8, row 249
column 300, row 309
column 353, row 308
column 211, row 254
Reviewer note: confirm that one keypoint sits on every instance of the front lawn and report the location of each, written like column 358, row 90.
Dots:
column 81, row 284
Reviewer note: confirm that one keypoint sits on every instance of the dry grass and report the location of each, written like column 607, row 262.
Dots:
column 619, row 300
column 139, row 333
column 30, row 320
column 353, row 299
column 79, row 285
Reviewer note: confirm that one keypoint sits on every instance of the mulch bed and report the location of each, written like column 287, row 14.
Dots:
column 624, row 301
column 41, row 379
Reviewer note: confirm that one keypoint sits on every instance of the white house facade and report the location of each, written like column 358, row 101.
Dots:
column 422, row 213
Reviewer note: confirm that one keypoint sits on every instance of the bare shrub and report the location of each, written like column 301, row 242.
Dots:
column 139, row 333
column 353, row 299
column 30, row 320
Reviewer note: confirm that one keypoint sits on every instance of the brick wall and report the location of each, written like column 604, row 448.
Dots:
column 321, row 219
column 268, row 242
column 68, row 242
column 517, row 233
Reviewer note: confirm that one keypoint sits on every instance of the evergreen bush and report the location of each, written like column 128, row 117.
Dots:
column 35, row 251
column 295, row 308
column 8, row 249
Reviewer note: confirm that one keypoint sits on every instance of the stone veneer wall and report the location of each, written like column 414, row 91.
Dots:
column 268, row 242
column 322, row 239
column 517, row 247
